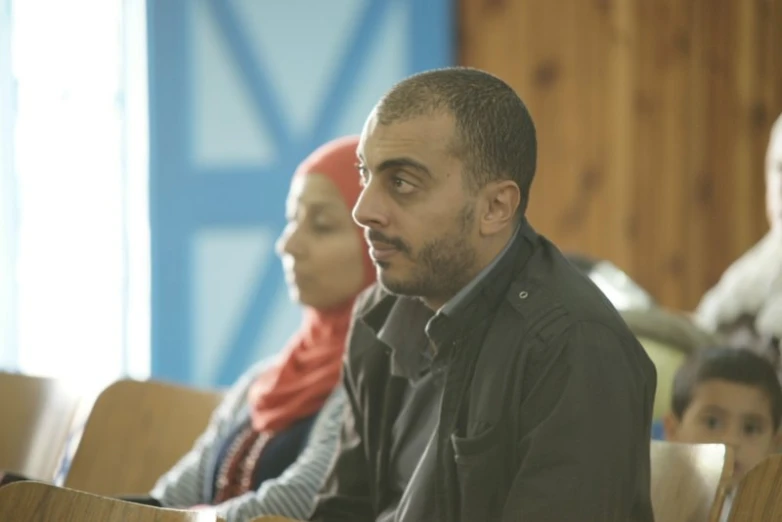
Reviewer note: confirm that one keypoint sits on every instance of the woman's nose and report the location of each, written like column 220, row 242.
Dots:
column 289, row 243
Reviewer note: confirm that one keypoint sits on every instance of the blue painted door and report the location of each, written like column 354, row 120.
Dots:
column 240, row 92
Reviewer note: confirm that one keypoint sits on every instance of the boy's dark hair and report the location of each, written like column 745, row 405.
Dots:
column 730, row 364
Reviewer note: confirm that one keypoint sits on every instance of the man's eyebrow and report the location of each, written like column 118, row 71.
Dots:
column 402, row 163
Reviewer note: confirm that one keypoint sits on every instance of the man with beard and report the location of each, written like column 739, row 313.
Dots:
column 488, row 379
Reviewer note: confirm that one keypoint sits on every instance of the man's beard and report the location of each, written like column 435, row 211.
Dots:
column 442, row 267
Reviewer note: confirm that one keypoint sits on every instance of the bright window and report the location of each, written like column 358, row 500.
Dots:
column 81, row 256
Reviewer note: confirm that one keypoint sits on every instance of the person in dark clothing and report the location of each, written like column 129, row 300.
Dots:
column 487, row 378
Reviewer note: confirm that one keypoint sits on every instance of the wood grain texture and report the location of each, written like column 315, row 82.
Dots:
column 37, row 502
column 653, row 120
column 136, row 431
column 35, row 416
column 758, row 496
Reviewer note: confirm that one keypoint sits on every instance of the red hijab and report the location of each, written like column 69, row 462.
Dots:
column 311, row 364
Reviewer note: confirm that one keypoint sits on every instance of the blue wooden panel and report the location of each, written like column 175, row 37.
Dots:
column 190, row 198
column 433, row 29
column 168, row 61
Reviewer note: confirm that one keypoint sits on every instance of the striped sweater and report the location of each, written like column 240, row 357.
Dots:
column 292, row 494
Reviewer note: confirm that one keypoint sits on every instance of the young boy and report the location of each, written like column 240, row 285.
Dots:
column 727, row 396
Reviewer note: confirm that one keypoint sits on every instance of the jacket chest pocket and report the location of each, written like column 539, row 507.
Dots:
column 482, row 469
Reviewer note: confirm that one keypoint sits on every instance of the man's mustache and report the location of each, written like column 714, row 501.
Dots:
column 374, row 236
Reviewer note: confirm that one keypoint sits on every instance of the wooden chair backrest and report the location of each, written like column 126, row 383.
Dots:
column 35, row 416
column 689, row 481
column 135, row 432
column 759, row 494
column 38, row 502
column 670, row 327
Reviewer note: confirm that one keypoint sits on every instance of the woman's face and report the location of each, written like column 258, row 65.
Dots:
column 320, row 248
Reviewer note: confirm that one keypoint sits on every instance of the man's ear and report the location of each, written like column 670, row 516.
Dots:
column 671, row 426
column 501, row 200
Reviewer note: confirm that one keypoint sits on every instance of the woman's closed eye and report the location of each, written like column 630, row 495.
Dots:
column 322, row 221
column 322, row 227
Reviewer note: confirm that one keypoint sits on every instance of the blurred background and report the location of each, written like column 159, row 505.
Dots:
column 146, row 150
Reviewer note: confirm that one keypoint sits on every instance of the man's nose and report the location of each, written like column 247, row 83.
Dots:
column 370, row 210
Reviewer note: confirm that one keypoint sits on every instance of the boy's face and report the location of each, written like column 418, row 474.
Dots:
column 730, row 413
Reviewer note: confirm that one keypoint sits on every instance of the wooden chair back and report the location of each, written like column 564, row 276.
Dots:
column 759, row 494
column 135, row 432
column 35, row 415
column 689, row 481
column 38, row 502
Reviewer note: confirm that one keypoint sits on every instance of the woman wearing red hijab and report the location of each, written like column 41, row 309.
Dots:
column 274, row 411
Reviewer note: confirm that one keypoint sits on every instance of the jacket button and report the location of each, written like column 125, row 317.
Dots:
column 523, row 294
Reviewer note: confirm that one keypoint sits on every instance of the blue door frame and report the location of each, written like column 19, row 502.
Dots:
column 185, row 197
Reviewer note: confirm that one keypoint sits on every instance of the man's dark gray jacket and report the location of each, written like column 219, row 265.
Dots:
column 546, row 412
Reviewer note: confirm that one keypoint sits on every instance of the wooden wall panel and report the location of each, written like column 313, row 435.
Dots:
column 653, row 119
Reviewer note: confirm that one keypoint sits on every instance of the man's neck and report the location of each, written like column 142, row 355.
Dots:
column 493, row 247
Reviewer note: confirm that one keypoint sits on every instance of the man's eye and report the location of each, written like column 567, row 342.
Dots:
column 363, row 175
column 401, row 186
